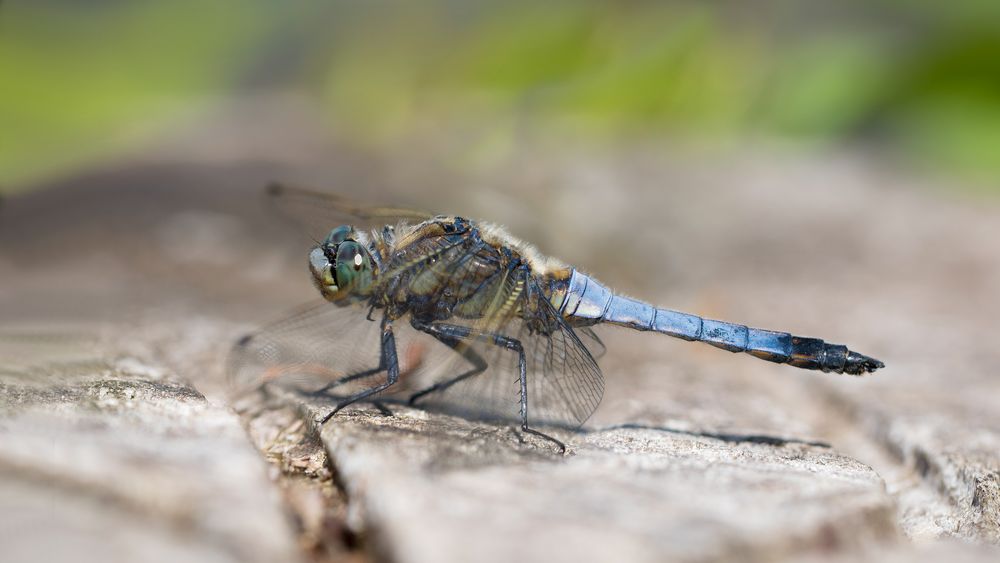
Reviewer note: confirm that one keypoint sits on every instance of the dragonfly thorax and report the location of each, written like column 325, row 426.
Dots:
column 342, row 267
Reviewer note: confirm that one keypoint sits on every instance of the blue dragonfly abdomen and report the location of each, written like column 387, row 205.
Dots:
column 587, row 301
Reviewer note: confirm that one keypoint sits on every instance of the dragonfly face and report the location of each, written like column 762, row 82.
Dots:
column 342, row 268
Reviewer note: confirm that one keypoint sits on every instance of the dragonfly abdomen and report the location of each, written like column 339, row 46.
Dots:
column 588, row 301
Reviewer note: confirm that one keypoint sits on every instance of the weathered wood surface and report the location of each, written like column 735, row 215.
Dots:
column 124, row 288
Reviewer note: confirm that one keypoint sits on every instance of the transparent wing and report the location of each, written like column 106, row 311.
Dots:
column 564, row 383
column 325, row 352
column 593, row 342
column 315, row 346
column 316, row 212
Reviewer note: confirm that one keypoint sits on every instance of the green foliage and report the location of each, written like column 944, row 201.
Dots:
column 916, row 78
column 920, row 79
column 81, row 81
column 945, row 106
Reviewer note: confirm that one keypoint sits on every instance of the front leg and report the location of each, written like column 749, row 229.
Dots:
column 389, row 360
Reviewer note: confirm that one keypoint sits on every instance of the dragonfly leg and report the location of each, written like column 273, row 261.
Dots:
column 391, row 363
column 348, row 378
column 478, row 363
column 457, row 332
column 382, row 408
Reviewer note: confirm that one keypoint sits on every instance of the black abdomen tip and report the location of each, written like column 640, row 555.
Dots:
column 858, row 364
column 813, row 353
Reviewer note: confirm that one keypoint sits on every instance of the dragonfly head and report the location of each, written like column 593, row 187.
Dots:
column 342, row 268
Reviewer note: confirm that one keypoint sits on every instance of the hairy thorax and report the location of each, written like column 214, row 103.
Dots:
column 451, row 267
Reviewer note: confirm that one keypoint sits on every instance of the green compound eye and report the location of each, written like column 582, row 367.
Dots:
column 353, row 266
column 338, row 235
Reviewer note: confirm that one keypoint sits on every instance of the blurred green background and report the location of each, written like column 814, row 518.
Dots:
column 915, row 82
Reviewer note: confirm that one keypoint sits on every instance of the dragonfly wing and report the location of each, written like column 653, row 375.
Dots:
column 593, row 342
column 564, row 383
column 312, row 351
column 317, row 212
column 315, row 346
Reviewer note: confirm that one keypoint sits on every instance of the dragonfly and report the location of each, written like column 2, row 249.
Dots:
column 459, row 314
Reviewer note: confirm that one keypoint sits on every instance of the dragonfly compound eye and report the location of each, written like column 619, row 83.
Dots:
column 339, row 235
column 353, row 266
